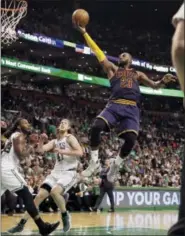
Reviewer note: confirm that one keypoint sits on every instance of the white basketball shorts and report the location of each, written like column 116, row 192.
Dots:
column 66, row 179
column 179, row 15
column 11, row 180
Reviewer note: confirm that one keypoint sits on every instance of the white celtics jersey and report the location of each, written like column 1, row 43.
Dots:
column 9, row 157
column 64, row 162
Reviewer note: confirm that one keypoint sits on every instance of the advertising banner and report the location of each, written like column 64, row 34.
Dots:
column 143, row 198
column 64, row 74
column 86, row 50
column 39, row 38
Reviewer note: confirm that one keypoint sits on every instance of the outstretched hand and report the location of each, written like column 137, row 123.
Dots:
column 169, row 78
column 81, row 29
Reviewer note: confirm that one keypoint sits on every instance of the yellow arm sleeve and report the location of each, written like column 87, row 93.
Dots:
column 97, row 51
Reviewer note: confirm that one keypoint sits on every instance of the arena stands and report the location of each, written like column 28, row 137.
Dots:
column 44, row 109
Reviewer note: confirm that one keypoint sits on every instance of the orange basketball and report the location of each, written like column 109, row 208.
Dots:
column 80, row 17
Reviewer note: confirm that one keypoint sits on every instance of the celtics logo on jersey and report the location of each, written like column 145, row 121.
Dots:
column 62, row 145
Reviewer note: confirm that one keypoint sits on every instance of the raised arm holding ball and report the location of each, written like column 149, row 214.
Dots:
column 122, row 107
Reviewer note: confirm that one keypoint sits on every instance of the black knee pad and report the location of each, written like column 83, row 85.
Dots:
column 46, row 187
column 130, row 139
column 98, row 126
column 27, row 198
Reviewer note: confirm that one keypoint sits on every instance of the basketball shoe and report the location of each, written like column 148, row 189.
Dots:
column 66, row 220
column 17, row 228
column 93, row 169
column 45, row 230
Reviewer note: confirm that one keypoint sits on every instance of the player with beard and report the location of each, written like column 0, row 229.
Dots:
column 178, row 47
column 122, row 110
column 13, row 158
column 62, row 177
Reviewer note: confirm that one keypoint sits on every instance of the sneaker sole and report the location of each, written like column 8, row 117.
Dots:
column 94, row 172
column 15, row 232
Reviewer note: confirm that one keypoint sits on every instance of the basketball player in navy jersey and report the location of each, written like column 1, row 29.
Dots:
column 178, row 47
column 121, row 111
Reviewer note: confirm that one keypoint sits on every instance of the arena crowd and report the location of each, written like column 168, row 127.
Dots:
column 155, row 160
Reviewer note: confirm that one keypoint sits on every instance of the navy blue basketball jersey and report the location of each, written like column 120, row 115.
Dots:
column 125, row 85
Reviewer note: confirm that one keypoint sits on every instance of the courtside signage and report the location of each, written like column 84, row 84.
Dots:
column 143, row 198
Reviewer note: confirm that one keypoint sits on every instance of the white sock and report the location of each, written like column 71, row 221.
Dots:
column 94, row 155
column 118, row 160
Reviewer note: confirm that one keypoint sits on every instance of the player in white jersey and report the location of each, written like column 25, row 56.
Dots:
column 13, row 157
column 178, row 43
column 62, row 177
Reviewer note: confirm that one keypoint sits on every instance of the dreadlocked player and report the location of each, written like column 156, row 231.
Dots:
column 14, row 156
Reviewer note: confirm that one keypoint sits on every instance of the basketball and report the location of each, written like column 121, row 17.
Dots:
column 80, row 17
